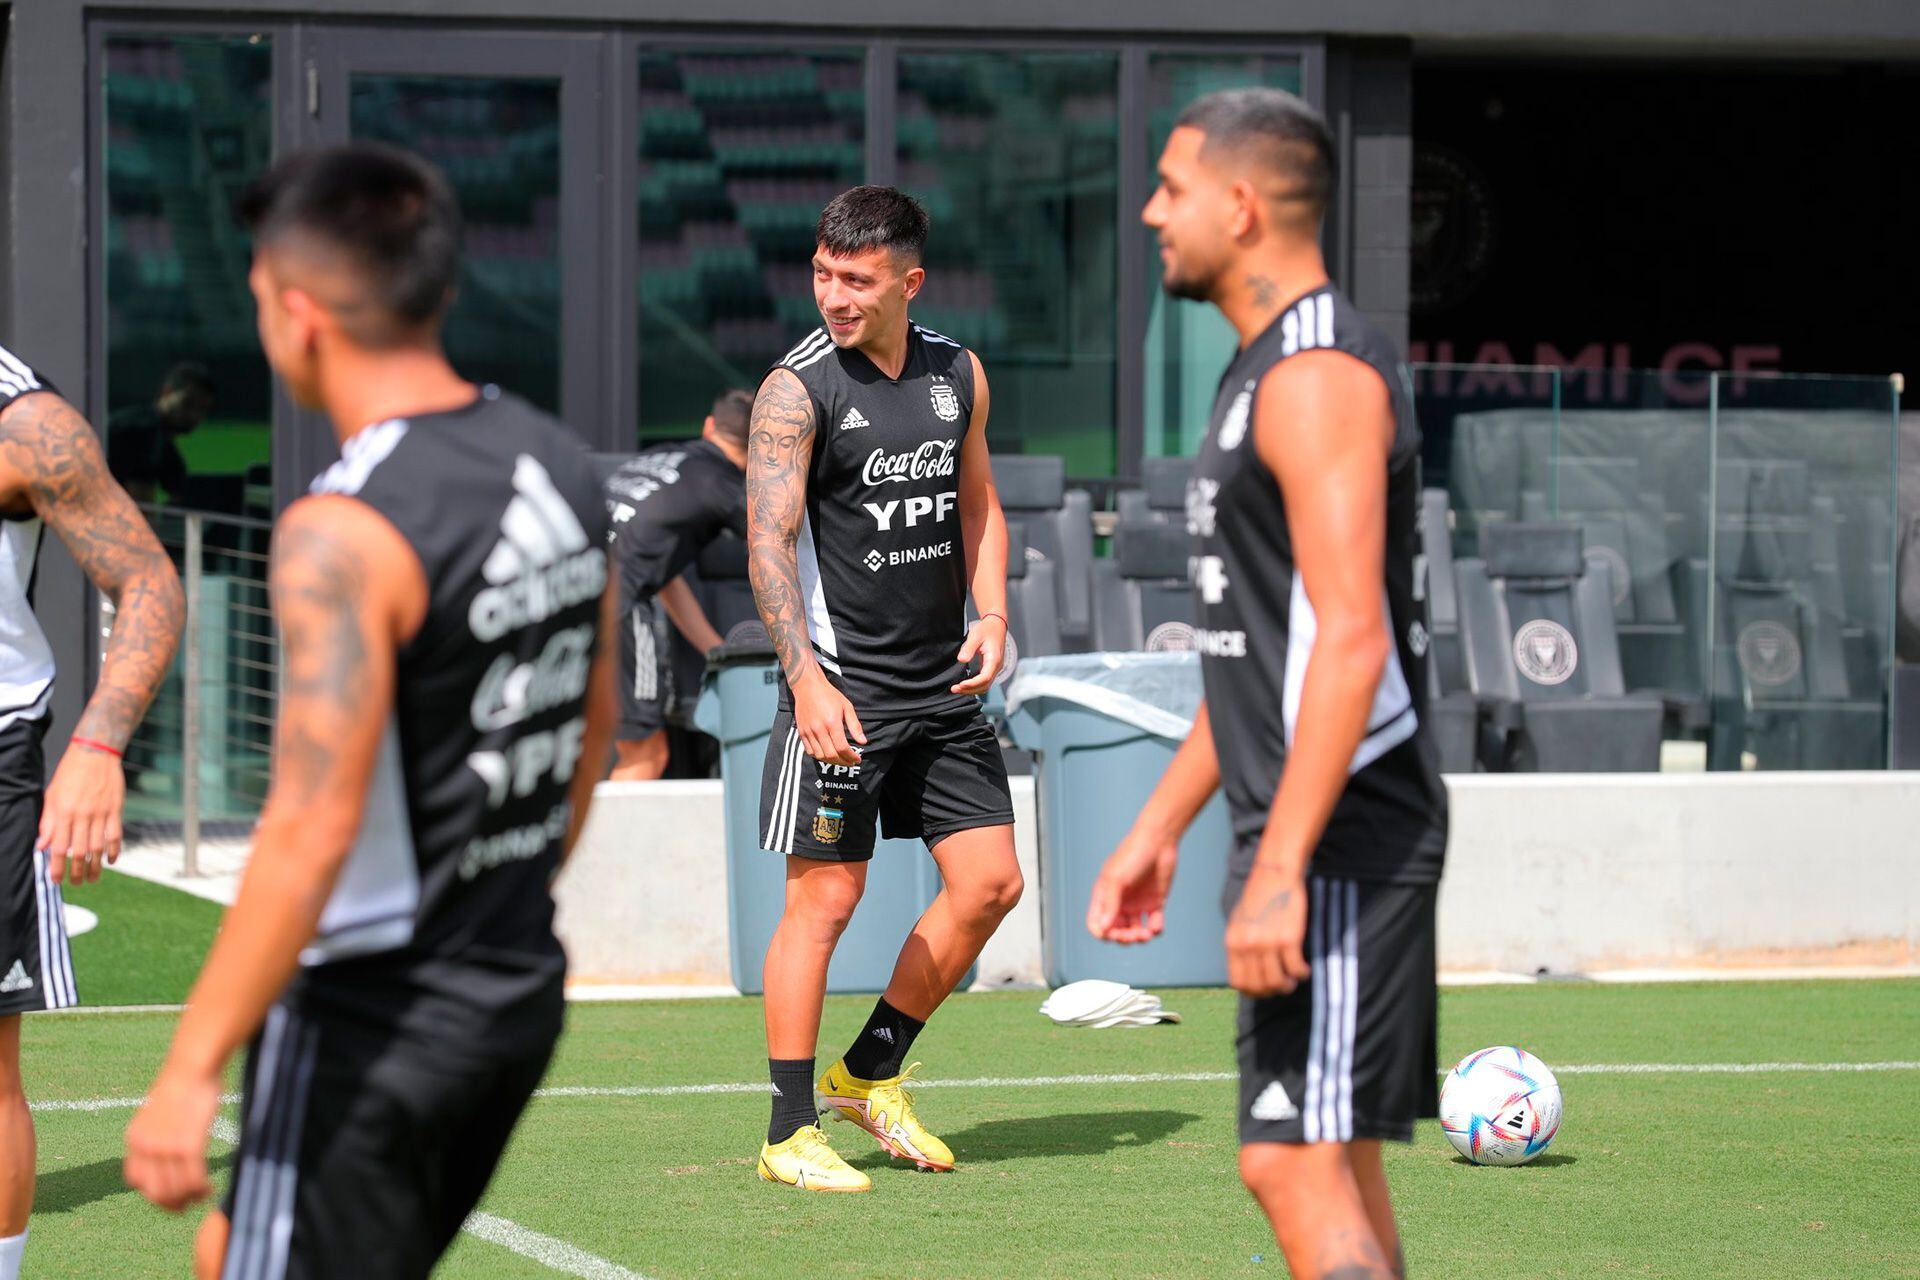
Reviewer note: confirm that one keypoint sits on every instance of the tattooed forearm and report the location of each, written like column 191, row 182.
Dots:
column 50, row 462
column 319, row 585
column 779, row 457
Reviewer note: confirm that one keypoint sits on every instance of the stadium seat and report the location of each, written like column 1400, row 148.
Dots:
column 1443, row 606
column 1162, row 497
column 1033, row 617
column 1057, row 526
column 1784, row 698
column 1537, row 629
column 1143, row 592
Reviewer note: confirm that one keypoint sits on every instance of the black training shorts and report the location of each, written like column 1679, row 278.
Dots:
column 923, row 778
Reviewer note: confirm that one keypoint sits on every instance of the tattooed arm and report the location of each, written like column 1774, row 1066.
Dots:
column 779, row 457
column 347, row 593
column 51, row 464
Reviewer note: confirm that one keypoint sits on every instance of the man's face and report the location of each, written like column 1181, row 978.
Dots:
column 284, row 318
column 863, row 296
column 1193, row 212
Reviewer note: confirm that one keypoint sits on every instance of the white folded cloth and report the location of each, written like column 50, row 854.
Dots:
column 1094, row 1002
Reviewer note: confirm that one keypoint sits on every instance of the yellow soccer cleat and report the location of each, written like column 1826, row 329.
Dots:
column 884, row 1108
column 807, row 1162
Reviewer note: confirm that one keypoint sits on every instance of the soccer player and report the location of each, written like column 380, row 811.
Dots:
column 1302, row 506
column 667, row 505
column 52, row 473
column 871, row 511
column 444, row 708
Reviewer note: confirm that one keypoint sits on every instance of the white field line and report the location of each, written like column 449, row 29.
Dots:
column 1145, row 1077
column 551, row 1253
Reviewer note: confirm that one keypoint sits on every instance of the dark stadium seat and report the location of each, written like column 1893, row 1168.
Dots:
column 1536, row 621
column 1783, row 694
column 1143, row 593
column 1057, row 526
column 1162, row 495
column 1443, row 606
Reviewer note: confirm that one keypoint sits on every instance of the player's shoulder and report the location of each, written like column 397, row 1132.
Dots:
column 810, row 353
column 946, row 356
column 18, row 378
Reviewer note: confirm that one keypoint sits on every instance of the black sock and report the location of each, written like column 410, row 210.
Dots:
column 792, row 1097
column 882, row 1044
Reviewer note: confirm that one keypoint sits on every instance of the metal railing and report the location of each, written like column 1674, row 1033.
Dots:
column 200, row 759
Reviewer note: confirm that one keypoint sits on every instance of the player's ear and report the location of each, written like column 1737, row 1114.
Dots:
column 913, row 280
column 1244, row 219
column 305, row 317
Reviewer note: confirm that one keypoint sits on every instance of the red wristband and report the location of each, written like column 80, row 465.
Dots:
column 101, row 747
column 1001, row 616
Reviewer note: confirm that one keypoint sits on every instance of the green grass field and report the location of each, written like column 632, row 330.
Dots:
column 1787, row 1173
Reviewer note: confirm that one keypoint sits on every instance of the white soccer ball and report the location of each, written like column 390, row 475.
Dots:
column 1500, row 1106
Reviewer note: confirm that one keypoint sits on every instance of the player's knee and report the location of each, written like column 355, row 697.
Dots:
column 210, row 1247
column 1267, row 1167
column 1001, row 894
column 827, row 909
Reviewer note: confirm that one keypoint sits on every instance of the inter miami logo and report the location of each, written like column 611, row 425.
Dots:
column 946, row 402
column 1769, row 653
column 827, row 826
column 1544, row 652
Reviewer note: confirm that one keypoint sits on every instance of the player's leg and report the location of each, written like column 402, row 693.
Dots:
column 642, row 759
column 980, row 884
column 822, row 818
column 1319, row 1217
column 948, row 786
column 210, row 1245
column 16, row 1151
column 640, row 737
column 1370, row 1175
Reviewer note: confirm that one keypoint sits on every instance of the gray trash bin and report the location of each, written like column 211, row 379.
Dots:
column 1103, row 728
column 737, row 706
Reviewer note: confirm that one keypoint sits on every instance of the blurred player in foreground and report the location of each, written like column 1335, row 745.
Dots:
column 1302, row 507
column 445, row 709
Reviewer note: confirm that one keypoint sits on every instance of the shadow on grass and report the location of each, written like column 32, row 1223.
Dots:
column 1088, row 1133
column 1549, row 1161
column 64, row 1190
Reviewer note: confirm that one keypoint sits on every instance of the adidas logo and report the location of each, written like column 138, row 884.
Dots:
column 16, row 979
column 884, row 1033
column 853, row 421
column 542, row 563
column 1273, row 1104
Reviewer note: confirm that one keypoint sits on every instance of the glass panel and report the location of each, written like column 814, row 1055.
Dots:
column 739, row 149
column 1015, row 155
column 188, row 122
column 1487, row 437
column 498, row 140
column 1804, row 514
column 1630, row 468
column 1188, row 343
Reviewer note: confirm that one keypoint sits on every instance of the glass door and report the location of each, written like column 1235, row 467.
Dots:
column 514, row 120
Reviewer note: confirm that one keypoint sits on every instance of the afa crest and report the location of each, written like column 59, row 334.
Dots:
column 827, row 826
column 945, row 402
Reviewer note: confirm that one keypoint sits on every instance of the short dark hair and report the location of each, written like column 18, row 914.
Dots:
column 862, row 219
column 1275, row 129
column 731, row 413
column 388, row 211
column 189, row 375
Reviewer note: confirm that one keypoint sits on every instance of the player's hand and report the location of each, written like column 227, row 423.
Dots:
column 167, row 1141
column 1130, row 896
column 987, row 638
column 1265, row 932
column 829, row 729
column 80, row 822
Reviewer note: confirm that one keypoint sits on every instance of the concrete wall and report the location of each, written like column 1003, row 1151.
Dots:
column 1630, row 870
column 1565, row 874
column 645, row 898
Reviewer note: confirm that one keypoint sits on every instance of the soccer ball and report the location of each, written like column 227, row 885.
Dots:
column 1500, row 1106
